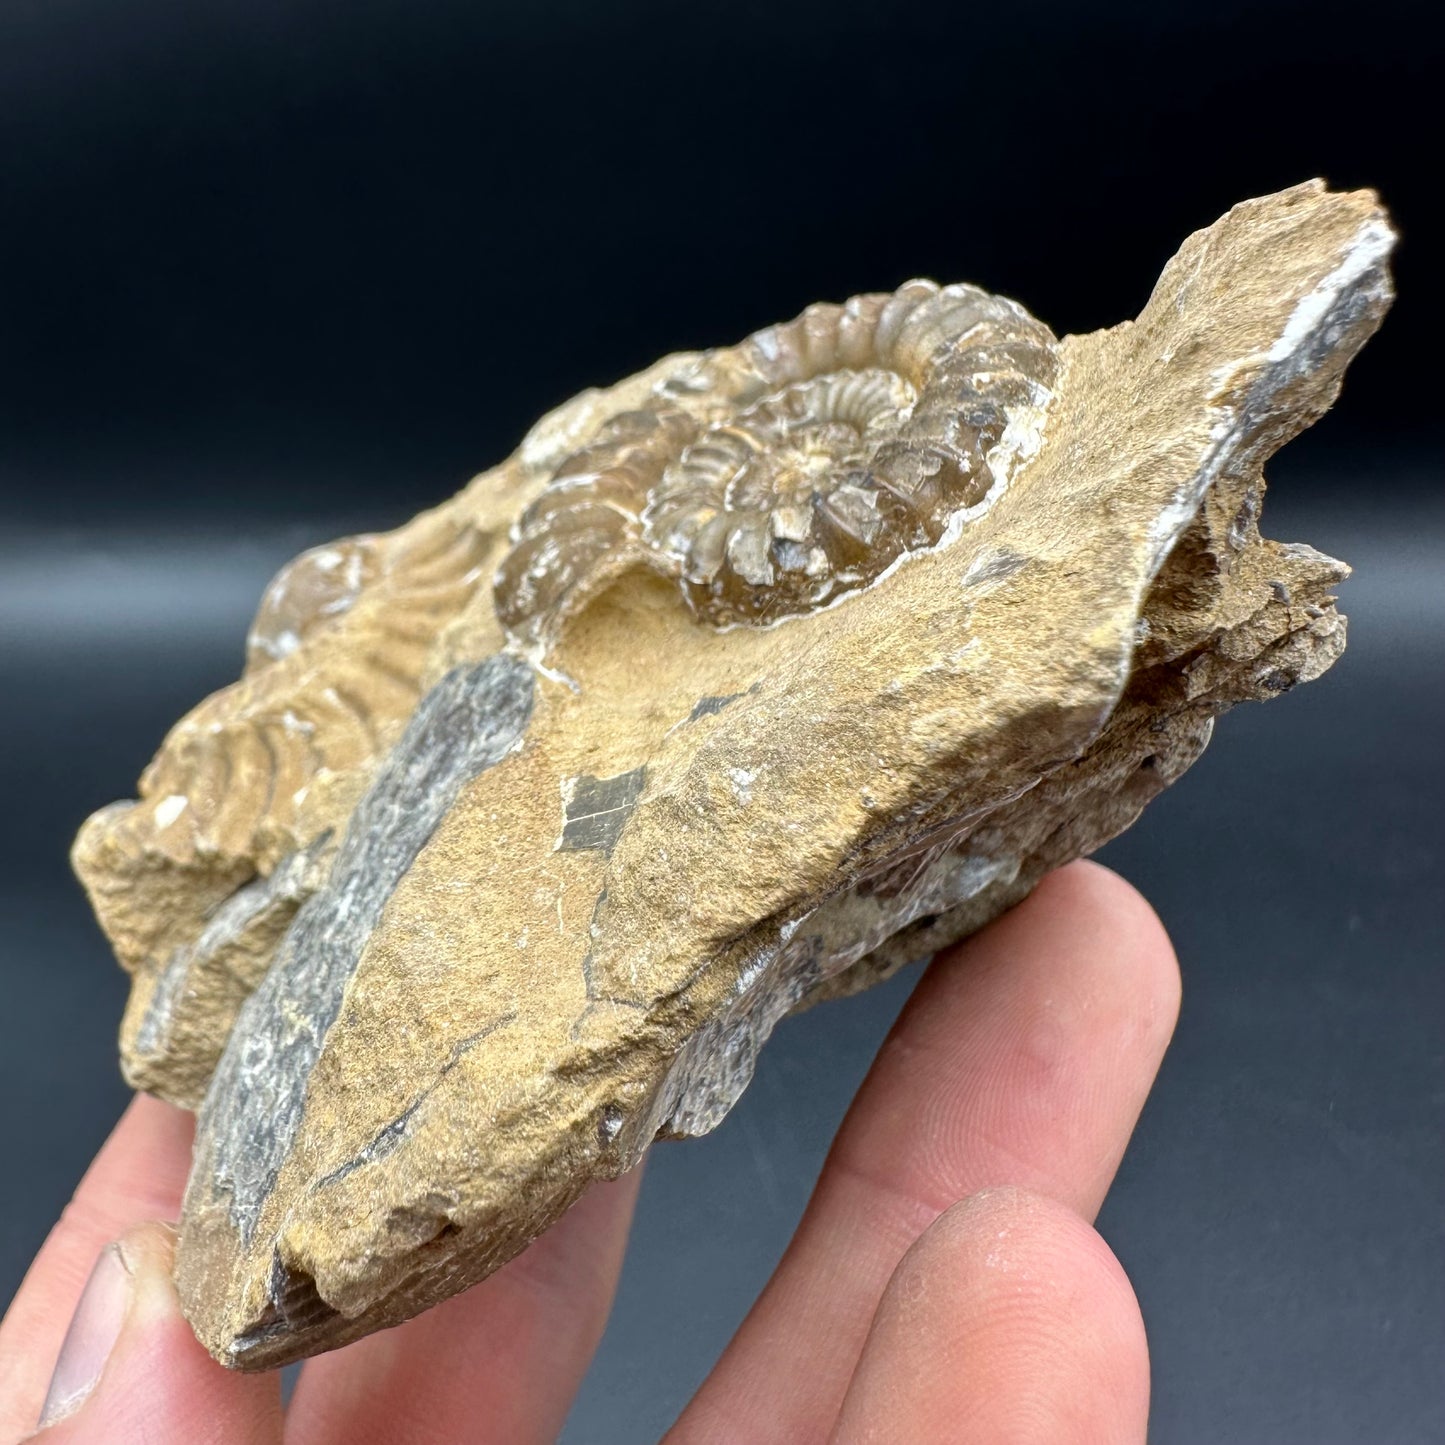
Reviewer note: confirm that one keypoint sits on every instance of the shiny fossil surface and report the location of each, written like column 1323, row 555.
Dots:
column 771, row 477
column 741, row 684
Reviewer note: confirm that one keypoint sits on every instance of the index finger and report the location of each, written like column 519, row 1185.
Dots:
column 139, row 1174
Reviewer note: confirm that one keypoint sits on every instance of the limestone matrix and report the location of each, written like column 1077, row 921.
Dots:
column 739, row 685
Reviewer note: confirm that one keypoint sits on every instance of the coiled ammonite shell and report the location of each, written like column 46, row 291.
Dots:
column 771, row 478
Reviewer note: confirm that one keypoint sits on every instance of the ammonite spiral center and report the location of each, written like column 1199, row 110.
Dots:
column 750, row 497
column 773, row 477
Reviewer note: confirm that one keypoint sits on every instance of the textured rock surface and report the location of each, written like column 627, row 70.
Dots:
column 804, row 658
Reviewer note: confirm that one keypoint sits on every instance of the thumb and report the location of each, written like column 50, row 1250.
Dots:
column 130, row 1368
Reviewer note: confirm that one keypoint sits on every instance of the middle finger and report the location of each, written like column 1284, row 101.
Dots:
column 1023, row 1058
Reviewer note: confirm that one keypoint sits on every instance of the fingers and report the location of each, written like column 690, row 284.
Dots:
column 1023, row 1058
column 499, row 1363
column 1009, row 1320
column 130, row 1368
column 139, row 1174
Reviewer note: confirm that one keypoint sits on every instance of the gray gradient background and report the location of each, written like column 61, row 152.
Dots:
column 266, row 278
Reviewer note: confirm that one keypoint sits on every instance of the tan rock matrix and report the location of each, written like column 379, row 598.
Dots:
column 739, row 685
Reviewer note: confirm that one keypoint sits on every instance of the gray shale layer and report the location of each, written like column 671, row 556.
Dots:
column 468, row 722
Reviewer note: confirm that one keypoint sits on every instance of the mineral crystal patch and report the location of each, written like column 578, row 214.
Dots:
column 741, row 684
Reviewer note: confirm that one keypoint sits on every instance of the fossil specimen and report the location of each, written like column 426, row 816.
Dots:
column 780, row 474
column 741, row 684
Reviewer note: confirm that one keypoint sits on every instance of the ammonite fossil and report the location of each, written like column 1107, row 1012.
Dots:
column 770, row 478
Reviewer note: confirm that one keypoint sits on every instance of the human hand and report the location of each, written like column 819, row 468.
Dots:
column 945, row 1283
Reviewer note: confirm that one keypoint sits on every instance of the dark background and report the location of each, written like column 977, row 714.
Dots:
column 272, row 271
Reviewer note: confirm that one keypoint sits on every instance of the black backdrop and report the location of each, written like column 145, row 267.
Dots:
column 270, row 271
column 294, row 251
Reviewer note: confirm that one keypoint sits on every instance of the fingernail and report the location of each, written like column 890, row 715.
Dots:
column 93, row 1330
